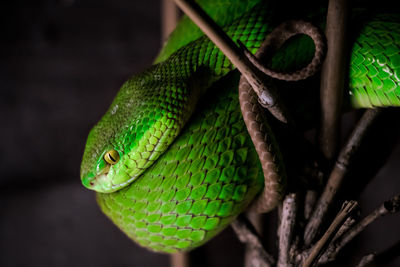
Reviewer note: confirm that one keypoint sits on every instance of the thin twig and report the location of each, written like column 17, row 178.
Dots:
column 338, row 173
column 348, row 207
column 286, row 229
column 390, row 206
column 248, row 235
column 329, row 254
column 235, row 55
column 332, row 77
column 325, row 257
column 344, row 228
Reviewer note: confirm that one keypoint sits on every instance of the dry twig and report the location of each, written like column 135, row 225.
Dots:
column 286, row 229
column 348, row 207
column 248, row 235
column 390, row 206
column 350, row 221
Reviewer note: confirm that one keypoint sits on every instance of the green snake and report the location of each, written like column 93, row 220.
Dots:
column 171, row 159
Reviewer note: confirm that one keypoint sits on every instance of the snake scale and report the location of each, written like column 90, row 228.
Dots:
column 171, row 159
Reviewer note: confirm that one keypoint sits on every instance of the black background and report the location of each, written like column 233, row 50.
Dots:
column 61, row 63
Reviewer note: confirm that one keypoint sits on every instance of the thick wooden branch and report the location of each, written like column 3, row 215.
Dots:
column 332, row 77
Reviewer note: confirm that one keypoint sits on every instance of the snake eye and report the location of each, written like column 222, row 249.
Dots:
column 111, row 157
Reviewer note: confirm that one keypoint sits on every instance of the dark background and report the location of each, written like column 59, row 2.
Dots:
column 61, row 63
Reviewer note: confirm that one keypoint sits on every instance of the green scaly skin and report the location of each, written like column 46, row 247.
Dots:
column 178, row 184
column 196, row 188
column 374, row 78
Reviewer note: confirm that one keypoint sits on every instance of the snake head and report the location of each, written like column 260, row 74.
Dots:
column 143, row 120
column 112, row 160
column 106, row 175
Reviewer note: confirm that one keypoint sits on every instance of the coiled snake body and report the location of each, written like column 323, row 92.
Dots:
column 172, row 176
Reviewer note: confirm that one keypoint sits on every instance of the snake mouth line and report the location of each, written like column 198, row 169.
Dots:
column 101, row 183
column 121, row 185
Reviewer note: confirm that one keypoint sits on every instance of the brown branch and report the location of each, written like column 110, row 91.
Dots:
column 332, row 77
column 338, row 173
column 180, row 259
column 235, row 55
column 390, row 206
column 248, row 235
column 286, row 229
column 169, row 18
column 344, row 228
column 318, row 248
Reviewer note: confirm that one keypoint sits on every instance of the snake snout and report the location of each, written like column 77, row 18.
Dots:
column 99, row 183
